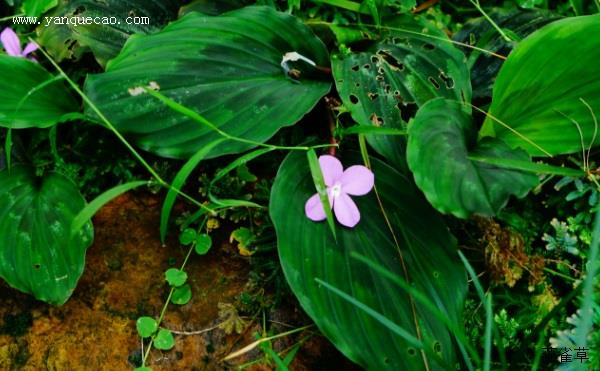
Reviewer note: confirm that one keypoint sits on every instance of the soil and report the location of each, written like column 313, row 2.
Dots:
column 123, row 280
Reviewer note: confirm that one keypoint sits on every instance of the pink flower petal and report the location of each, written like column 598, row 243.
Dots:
column 314, row 209
column 10, row 42
column 346, row 211
column 357, row 180
column 30, row 48
column 331, row 168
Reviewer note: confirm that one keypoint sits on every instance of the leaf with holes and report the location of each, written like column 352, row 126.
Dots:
column 64, row 35
column 548, row 101
column 384, row 85
column 308, row 251
column 441, row 139
column 227, row 68
column 38, row 99
column 37, row 255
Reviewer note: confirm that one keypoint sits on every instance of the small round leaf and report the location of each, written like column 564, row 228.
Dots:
column 203, row 244
column 146, row 326
column 175, row 277
column 187, row 236
column 181, row 295
column 164, row 340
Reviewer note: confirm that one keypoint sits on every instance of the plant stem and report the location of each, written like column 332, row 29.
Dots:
column 120, row 136
column 489, row 19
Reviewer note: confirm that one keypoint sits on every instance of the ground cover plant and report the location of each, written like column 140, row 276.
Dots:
column 421, row 176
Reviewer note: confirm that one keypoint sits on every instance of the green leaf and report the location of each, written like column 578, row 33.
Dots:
column 203, row 244
column 539, row 92
column 37, row 254
column 146, row 326
column 64, row 35
column 182, row 295
column 164, row 340
column 175, row 277
column 30, row 96
column 480, row 33
column 86, row 214
column 384, row 85
column 226, row 68
column 35, row 8
column 178, row 183
column 142, row 369
column 441, row 139
column 308, row 251
column 187, row 236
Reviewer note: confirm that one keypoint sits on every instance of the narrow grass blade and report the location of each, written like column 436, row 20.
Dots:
column 529, row 166
column 317, row 175
column 92, row 208
column 386, row 322
column 178, row 182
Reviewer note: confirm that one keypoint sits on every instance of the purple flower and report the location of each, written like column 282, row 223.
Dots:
column 12, row 44
column 356, row 180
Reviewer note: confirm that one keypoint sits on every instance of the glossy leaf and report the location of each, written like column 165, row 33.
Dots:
column 441, row 139
column 146, row 326
column 30, row 96
column 64, row 38
column 539, row 92
column 182, row 295
column 37, row 254
column 187, row 236
column 203, row 244
column 226, row 68
column 308, row 252
column 384, row 85
column 164, row 340
column 175, row 277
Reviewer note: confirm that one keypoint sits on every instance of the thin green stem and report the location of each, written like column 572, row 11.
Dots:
column 110, row 126
column 202, row 120
column 489, row 19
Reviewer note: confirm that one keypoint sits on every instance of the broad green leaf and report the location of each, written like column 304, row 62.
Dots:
column 35, row 8
column 30, row 96
column 146, row 326
column 481, row 34
column 308, row 251
column 384, row 86
column 225, row 68
column 441, row 139
column 111, row 23
column 175, row 277
column 182, row 295
column 203, row 244
column 37, row 254
column 539, row 92
column 164, row 340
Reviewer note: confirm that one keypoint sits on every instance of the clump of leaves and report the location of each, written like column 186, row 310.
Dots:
column 506, row 257
column 562, row 240
column 230, row 319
